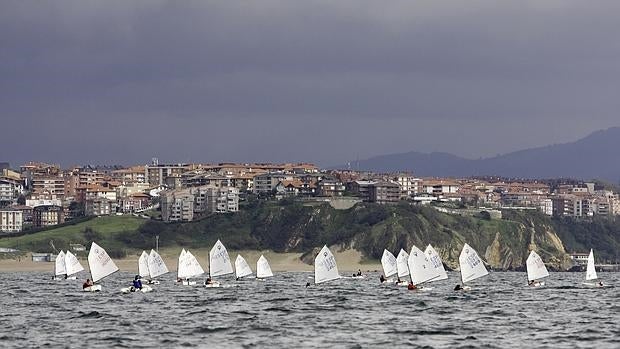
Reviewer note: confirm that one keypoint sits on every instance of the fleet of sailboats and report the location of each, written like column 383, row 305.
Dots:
column 423, row 267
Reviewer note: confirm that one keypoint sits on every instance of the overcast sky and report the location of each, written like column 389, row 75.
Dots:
column 320, row 81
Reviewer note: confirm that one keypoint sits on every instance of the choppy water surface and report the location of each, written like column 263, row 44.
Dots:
column 281, row 313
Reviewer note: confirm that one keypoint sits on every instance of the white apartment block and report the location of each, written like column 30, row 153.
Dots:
column 409, row 186
column 11, row 221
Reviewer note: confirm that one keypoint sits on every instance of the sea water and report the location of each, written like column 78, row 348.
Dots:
column 280, row 312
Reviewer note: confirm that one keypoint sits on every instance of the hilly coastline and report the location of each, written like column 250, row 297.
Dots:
column 288, row 226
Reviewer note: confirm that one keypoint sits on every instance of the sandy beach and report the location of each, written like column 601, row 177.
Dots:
column 348, row 261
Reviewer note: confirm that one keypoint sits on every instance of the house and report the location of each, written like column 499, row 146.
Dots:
column 384, row 192
column 47, row 215
column 11, row 220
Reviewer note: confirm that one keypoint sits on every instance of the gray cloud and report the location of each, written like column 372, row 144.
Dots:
column 320, row 81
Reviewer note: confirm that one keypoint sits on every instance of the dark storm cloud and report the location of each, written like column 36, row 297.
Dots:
column 309, row 80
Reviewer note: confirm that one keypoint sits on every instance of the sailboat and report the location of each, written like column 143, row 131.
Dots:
column 535, row 270
column 591, row 272
column 402, row 266
column 101, row 266
column 388, row 262
column 156, row 265
column 263, row 270
column 219, row 263
column 242, row 268
column 436, row 263
column 325, row 268
column 472, row 266
column 188, row 268
column 143, row 272
column 60, row 267
column 420, row 268
column 72, row 265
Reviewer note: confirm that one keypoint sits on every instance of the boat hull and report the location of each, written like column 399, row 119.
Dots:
column 93, row 288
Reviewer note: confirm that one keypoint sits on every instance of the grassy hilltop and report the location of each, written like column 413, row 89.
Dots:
column 288, row 226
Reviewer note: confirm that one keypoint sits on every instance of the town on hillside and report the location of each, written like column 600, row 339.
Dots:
column 39, row 195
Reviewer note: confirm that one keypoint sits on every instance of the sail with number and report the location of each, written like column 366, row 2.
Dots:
column 472, row 266
column 219, row 261
column 156, row 264
column 436, row 263
column 143, row 265
column 188, row 266
column 263, row 270
column 590, row 269
column 242, row 268
column 535, row 267
column 60, row 267
column 388, row 261
column 100, row 263
column 72, row 264
column 325, row 268
column 420, row 267
column 401, row 263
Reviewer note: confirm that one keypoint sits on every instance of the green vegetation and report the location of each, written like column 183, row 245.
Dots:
column 108, row 231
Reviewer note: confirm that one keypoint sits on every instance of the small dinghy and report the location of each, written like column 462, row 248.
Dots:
column 388, row 262
column 72, row 265
column 101, row 266
column 591, row 272
column 60, row 269
column 471, row 265
column 420, row 269
column 156, row 266
column 536, row 270
column 188, row 268
column 325, row 267
column 263, row 269
column 219, row 264
column 402, row 267
column 242, row 268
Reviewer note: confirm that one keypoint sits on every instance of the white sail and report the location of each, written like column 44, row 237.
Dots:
column 436, row 263
column 60, row 267
column 325, row 268
column 188, row 266
column 156, row 264
column 219, row 261
column 535, row 267
column 143, row 265
column 590, row 270
column 72, row 264
column 401, row 263
column 420, row 267
column 471, row 264
column 242, row 268
column 181, row 261
column 100, row 263
column 388, row 261
column 263, row 270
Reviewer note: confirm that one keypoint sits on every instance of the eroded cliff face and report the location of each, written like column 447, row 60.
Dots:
column 503, row 244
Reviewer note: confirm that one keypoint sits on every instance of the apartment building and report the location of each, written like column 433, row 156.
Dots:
column 330, row 187
column 99, row 207
column 48, row 187
column 409, row 185
column 47, row 215
column 156, row 174
column 11, row 220
column 266, row 183
column 177, row 206
column 384, row 192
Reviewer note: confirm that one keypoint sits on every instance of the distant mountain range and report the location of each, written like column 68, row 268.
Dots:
column 596, row 156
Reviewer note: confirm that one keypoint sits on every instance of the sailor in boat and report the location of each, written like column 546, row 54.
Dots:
column 87, row 284
column 411, row 286
column 307, row 284
column 398, row 281
column 532, row 283
column 137, row 284
column 382, row 278
column 600, row 284
column 458, row 287
column 208, row 281
column 359, row 272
